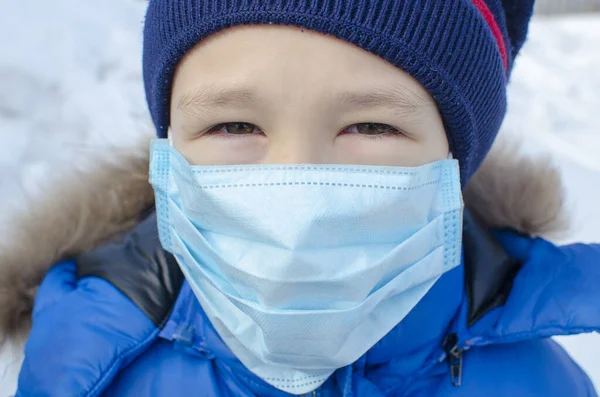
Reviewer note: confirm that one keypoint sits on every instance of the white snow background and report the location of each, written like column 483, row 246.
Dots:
column 70, row 85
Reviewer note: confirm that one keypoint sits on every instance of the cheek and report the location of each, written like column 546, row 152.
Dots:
column 219, row 151
column 391, row 151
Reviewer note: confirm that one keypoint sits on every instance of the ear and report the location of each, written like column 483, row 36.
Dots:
column 517, row 13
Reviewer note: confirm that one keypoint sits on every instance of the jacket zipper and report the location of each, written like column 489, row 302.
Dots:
column 455, row 358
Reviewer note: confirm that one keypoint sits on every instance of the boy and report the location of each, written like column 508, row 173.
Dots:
column 309, row 186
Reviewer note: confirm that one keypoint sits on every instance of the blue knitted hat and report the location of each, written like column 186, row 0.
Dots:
column 461, row 51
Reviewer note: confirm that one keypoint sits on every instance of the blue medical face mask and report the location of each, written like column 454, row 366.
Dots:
column 303, row 268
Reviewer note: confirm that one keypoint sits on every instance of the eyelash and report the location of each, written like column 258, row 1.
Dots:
column 392, row 131
column 219, row 130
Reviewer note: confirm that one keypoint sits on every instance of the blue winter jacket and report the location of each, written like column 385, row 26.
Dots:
column 122, row 321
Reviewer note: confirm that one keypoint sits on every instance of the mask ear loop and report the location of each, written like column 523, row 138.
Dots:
column 170, row 137
column 450, row 156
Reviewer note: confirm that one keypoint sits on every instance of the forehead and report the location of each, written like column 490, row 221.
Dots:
column 275, row 58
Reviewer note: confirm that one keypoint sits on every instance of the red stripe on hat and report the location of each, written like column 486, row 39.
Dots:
column 491, row 21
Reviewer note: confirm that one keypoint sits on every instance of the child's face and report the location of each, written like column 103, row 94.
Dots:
column 280, row 95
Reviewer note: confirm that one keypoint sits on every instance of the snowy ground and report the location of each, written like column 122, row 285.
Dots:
column 70, row 84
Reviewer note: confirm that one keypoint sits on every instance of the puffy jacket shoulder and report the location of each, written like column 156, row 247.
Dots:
column 95, row 314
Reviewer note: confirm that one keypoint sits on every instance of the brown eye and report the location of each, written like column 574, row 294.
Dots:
column 235, row 128
column 240, row 128
column 373, row 129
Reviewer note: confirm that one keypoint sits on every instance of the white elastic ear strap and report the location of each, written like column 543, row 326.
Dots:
column 170, row 136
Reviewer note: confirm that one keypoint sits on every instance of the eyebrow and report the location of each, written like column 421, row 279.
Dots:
column 210, row 97
column 404, row 97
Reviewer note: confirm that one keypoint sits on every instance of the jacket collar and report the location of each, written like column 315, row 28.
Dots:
column 554, row 293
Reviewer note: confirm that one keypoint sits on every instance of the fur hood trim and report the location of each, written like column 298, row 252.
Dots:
column 88, row 207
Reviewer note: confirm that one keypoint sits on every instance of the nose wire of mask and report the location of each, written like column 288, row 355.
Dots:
column 301, row 269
